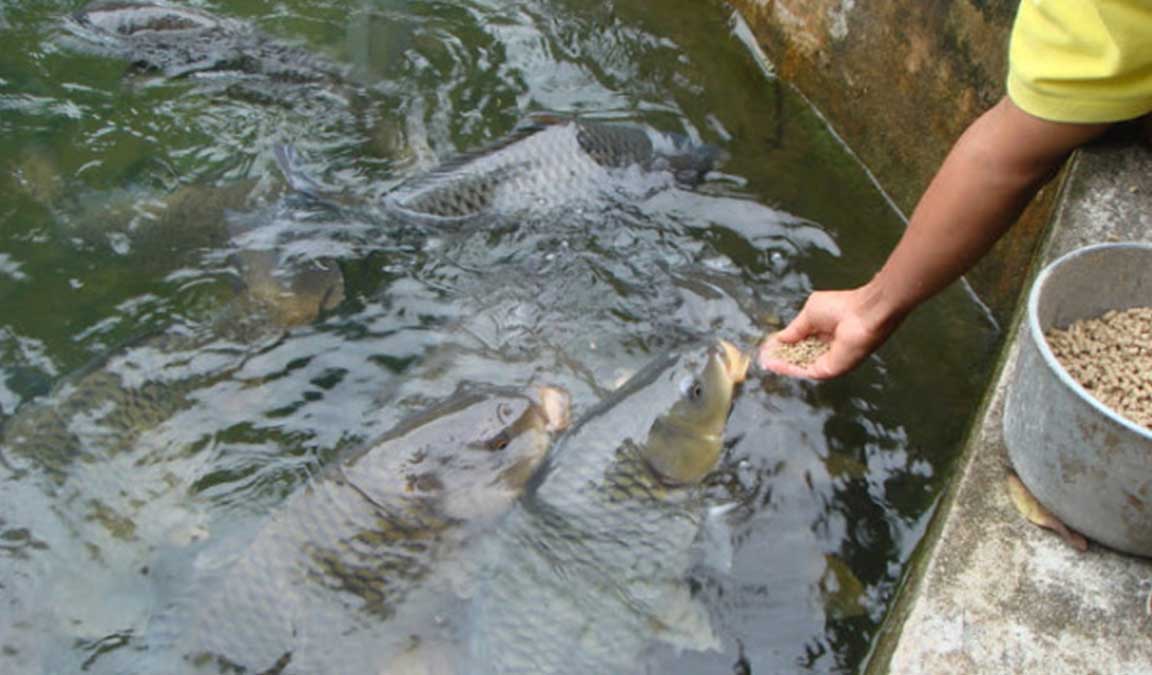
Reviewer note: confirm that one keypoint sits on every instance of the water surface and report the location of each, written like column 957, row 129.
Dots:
column 125, row 195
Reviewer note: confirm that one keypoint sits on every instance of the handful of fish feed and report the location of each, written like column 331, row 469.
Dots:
column 802, row 353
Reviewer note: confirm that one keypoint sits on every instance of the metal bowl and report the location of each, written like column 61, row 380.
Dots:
column 1082, row 460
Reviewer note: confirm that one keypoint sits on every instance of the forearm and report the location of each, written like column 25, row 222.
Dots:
column 987, row 179
column 990, row 175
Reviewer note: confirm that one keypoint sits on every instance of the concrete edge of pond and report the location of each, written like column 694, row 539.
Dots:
column 987, row 591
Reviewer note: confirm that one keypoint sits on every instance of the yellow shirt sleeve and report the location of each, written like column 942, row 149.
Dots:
column 1082, row 60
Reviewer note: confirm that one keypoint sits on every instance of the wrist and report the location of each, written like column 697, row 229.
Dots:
column 882, row 306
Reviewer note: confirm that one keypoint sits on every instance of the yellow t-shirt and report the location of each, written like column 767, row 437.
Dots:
column 1082, row 60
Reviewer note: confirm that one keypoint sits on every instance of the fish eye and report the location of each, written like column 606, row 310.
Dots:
column 498, row 442
column 691, row 388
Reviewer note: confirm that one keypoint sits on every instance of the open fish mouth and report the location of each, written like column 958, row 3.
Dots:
column 735, row 361
column 557, row 406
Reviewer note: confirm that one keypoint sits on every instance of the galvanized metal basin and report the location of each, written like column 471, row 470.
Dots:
column 1090, row 466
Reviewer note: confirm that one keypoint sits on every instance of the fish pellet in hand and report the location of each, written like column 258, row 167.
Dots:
column 803, row 353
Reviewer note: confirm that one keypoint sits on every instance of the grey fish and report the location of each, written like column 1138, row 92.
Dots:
column 589, row 569
column 103, row 409
column 322, row 585
column 548, row 164
column 179, row 41
column 287, row 296
column 97, row 471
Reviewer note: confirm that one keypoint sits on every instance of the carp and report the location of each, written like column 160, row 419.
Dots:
column 590, row 567
column 347, row 572
column 180, row 41
column 103, row 410
column 552, row 162
column 100, row 468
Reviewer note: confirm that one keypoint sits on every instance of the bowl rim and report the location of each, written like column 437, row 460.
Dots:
column 1046, row 351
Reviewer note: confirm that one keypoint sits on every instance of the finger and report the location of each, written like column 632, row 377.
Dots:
column 800, row 328
column 766, row 355
column 785, row 368
column 838, row 360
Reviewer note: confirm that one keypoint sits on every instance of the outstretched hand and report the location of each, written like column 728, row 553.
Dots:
column 987, row 179
column 847, row 320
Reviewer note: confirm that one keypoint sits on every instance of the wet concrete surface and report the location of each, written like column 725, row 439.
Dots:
column 990, row 592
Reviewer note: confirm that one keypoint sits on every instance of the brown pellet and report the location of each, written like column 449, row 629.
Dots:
column 1111, row 357
column 802, row 353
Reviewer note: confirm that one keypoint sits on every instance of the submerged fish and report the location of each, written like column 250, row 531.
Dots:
column 322, row 585
column 179, row 41
column 104, row 409
column 99, row 470
column 551, row 163
column 589, row 569
column 285, row 295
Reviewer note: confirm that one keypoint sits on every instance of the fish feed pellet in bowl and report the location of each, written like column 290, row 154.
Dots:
column 1085, row 456
column 1111, row 357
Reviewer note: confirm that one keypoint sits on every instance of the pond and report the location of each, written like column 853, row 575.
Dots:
column 185, row 340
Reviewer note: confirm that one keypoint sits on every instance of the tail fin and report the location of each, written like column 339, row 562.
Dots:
column 691, row 161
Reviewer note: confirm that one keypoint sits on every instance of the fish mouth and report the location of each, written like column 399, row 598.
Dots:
column 735, row 362
column 556, row 404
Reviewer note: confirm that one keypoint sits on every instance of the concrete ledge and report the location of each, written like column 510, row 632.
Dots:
column 989, row 592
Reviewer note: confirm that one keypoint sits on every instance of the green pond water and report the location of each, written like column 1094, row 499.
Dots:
column 127, row 197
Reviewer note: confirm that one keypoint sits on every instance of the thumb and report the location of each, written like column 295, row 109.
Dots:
column 839, row 359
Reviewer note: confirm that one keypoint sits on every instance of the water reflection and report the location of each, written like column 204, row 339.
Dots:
column 163, row 406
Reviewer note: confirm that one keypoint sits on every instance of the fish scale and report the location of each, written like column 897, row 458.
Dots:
column 549, row 164
column 342, row 574
column 590, row 568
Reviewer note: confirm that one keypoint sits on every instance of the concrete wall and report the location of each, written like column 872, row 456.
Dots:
column 899, row 80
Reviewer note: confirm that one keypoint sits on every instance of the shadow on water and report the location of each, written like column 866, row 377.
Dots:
column 153, row 396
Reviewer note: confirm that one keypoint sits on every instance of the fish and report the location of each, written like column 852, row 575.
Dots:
column 590, row 566
column 182, row 41
column 322, row 584
column 551, row 162
column 97, row 472
column 287, row 295
column 103, row 409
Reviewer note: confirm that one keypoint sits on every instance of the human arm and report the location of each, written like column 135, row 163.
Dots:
column 987, row 179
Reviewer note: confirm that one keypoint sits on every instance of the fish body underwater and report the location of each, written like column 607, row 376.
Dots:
column 180, row 41
column 100, row 468
column 352, row 568
column 589, row 569
column 102, row 410
column 552, row 163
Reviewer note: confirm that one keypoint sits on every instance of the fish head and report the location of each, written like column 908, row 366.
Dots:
column 691, row 166
column 687, row 160
column 292, row 294
column 517, row 432
column 506, row 438
column 319, row 284
column 686, row 441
